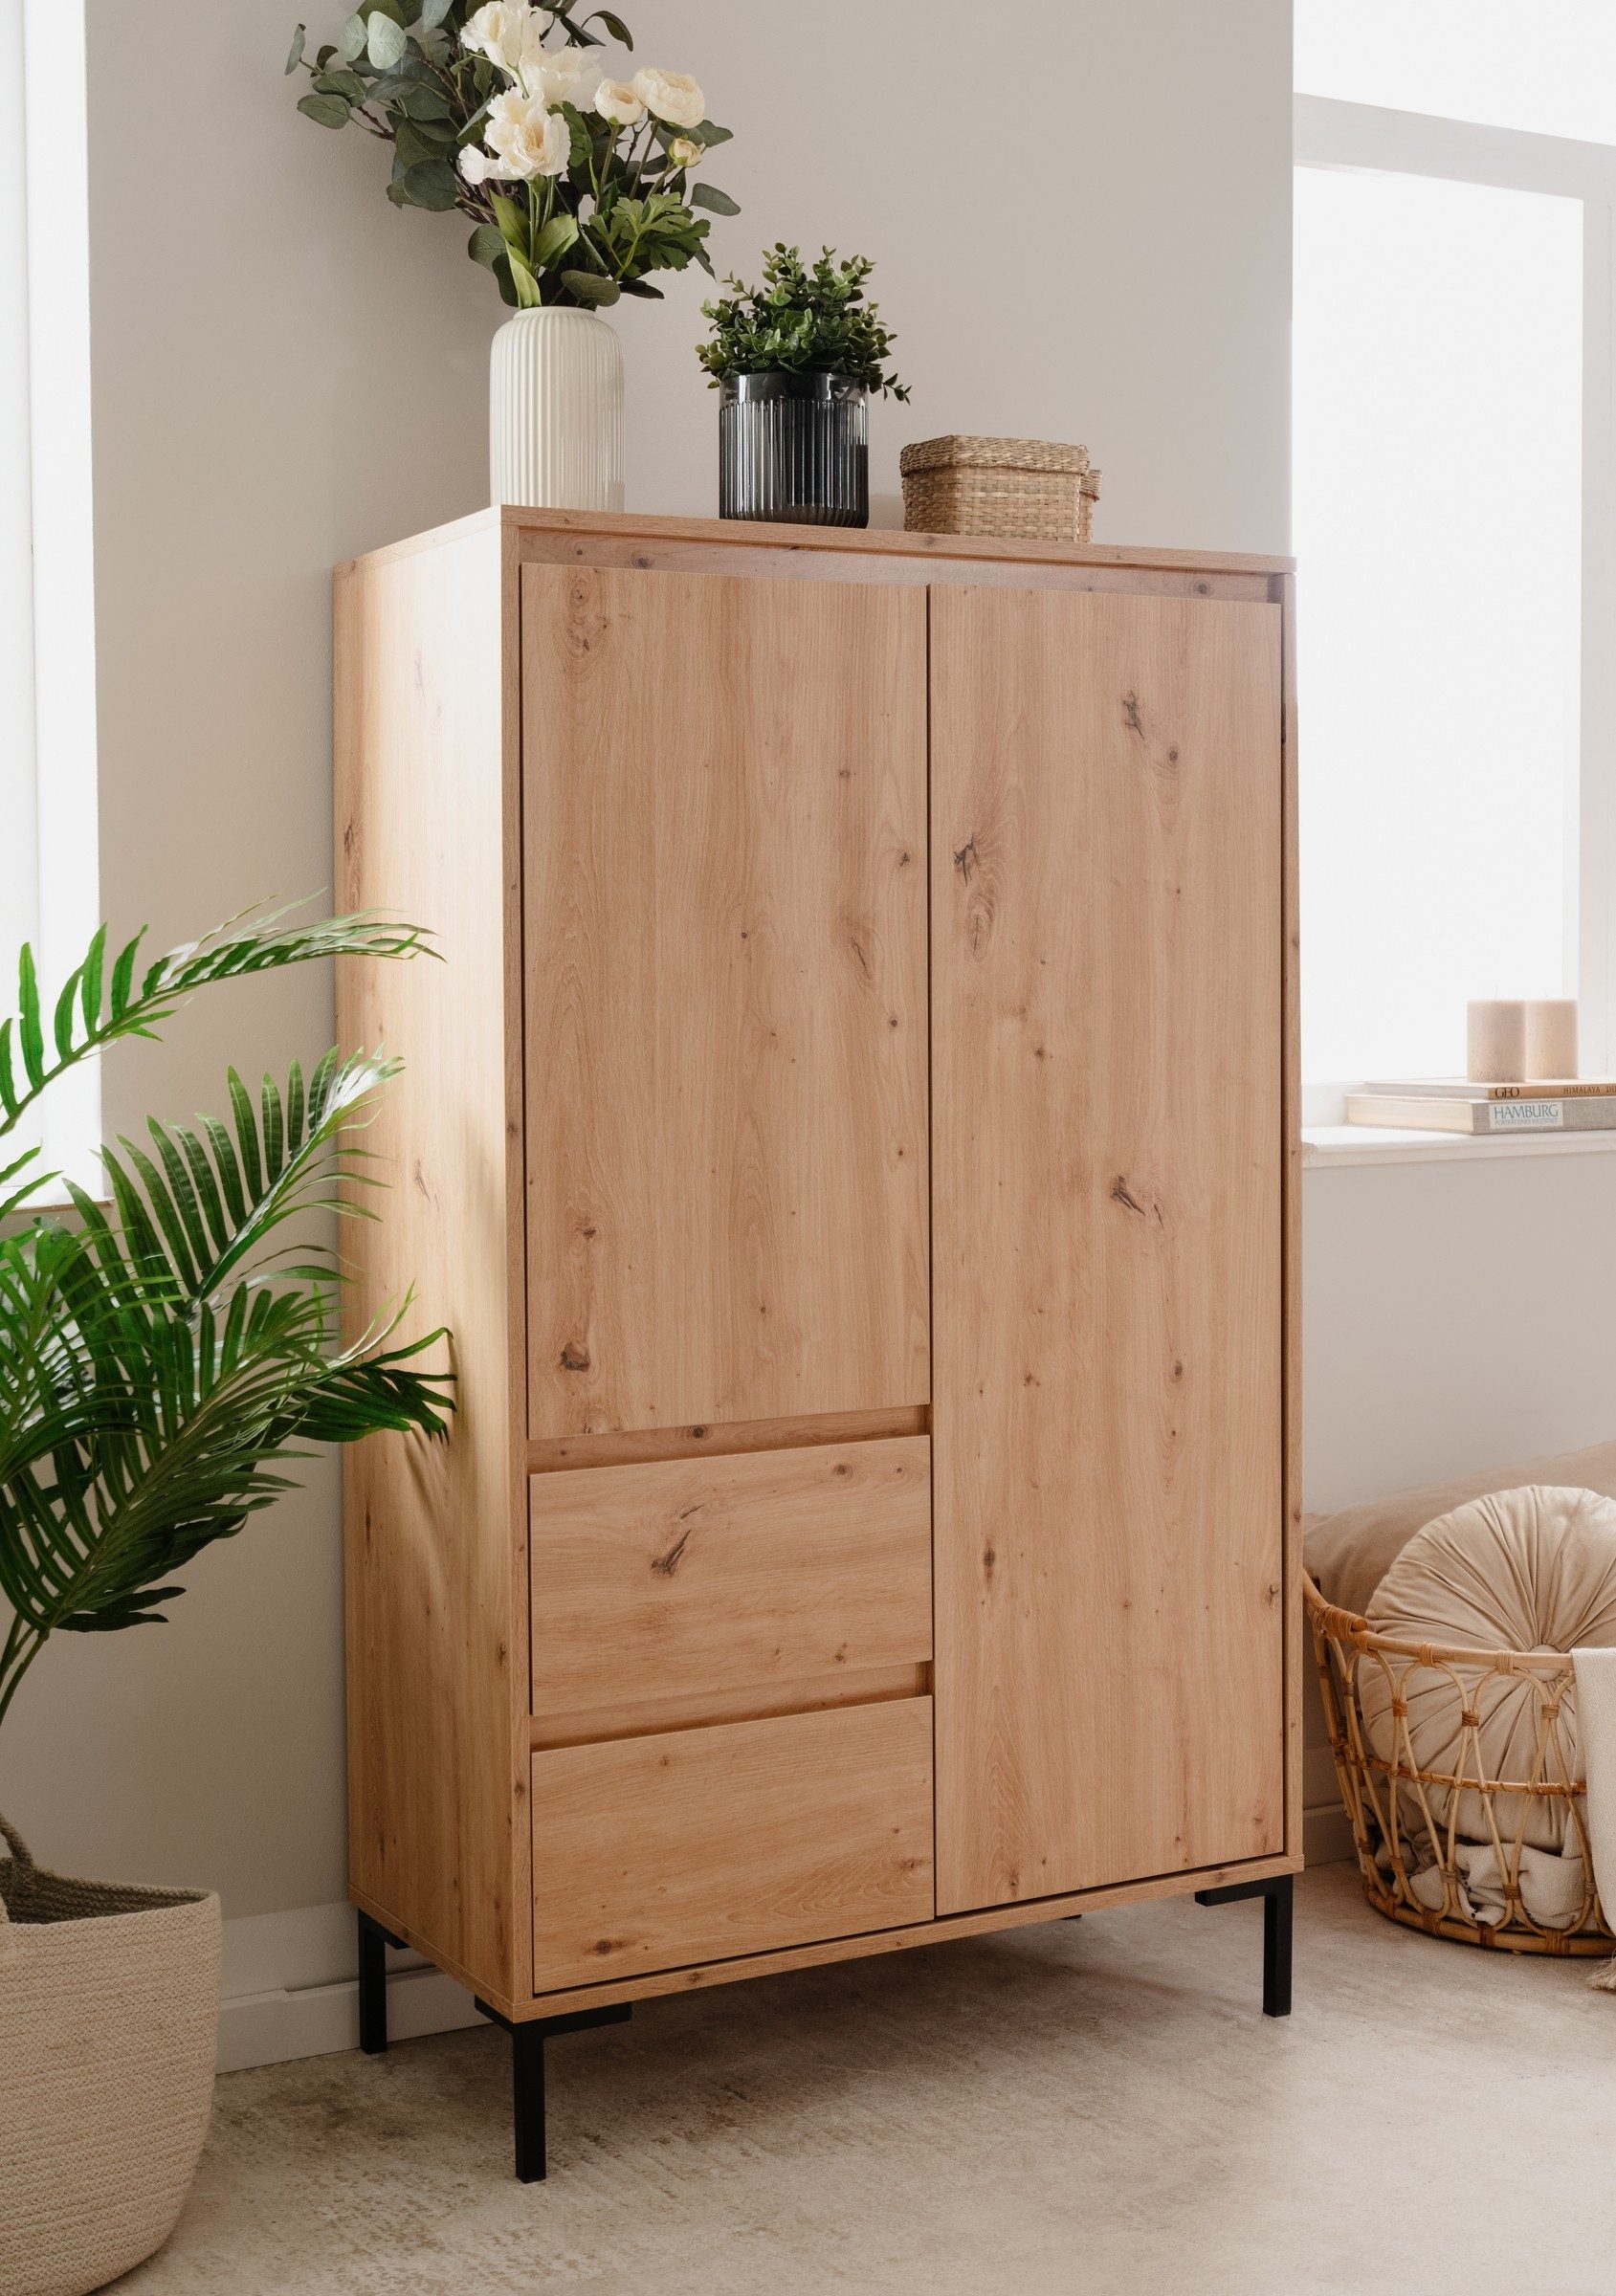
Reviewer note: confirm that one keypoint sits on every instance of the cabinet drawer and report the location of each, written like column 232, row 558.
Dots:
column 779, row 1573
column 699, row 1844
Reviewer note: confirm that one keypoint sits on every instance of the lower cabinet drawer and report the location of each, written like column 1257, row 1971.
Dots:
column 699, row 1844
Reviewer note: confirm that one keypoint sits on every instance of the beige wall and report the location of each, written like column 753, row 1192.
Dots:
column 287, row 371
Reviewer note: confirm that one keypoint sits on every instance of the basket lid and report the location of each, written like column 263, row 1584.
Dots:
column 962, row 451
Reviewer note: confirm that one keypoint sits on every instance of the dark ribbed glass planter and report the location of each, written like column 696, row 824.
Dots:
column 794, row 449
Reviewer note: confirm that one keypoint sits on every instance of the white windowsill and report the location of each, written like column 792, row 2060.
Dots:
column 1335, row 1145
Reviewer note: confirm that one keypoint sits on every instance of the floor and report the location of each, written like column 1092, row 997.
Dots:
column 1090, row 2106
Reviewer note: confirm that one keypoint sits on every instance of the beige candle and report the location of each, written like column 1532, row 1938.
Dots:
column 1496, row 1040
column 1551, row 1038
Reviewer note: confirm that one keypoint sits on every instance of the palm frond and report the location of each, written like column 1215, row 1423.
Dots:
column 95, row 1007
column 91, row 1533
column 163, row 1366
column 203, row 1205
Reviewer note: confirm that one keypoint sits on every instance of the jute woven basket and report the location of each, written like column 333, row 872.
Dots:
column 109, row 2011
column 1030, row 487
column 1405, row 1819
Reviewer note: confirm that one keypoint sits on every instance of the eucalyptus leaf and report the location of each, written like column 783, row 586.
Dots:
column 412, row 148
column 589, row 287
column 710, row 134
column 326, row 111
column 432, row 12
column 397, row 193
column 385, row 41
column 347, row 84
column 294, row 54
column 486, row 245
column 433, row 184
column 424, row 103
column 714, row 200
column 352, row 38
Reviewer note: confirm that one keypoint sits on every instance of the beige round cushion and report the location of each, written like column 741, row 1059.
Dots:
column 1519, row 1570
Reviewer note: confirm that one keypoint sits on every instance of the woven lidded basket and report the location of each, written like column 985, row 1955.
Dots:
column 1405, row 1818
column 109, row 2012
column 1030, row 487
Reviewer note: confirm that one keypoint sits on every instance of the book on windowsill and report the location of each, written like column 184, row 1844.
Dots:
column 1465, row 1087
column 1482, row 1116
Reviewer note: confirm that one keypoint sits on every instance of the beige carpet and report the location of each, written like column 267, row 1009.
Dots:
column 1093, row 2106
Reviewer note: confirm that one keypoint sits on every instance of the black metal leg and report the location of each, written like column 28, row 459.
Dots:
column 372, row 1986
column 527, row 2074
column 1276, row 1948
column 1277, row 1893
column 527, row 2067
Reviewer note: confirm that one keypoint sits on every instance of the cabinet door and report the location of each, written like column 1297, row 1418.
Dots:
column 726, row 986
column 1106, row 901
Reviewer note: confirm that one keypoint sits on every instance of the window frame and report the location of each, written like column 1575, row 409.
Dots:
column 1369, row 138
column 50, row 883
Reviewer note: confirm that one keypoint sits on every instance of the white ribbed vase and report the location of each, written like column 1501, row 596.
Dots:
column 555, row 412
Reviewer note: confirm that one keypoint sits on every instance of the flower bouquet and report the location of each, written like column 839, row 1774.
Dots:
column 575, row 168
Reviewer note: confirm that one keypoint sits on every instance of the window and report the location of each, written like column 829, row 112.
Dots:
column 1455, row 488
column 48, row 893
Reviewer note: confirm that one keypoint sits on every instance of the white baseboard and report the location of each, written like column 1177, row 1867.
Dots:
column 290, row 1990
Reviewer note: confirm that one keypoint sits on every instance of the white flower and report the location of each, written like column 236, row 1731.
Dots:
column 615, row 100
column 562, row 74
column 685, row 152
column 671, row 96
column 502, row 31
column 524, row 139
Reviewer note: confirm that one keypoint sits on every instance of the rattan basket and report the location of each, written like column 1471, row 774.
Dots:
column 1030, row 487
column 1405, row 1819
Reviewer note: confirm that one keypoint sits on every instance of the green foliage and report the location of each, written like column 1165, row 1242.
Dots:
column 161, row 1365
column 398, row 70
column 801, row 322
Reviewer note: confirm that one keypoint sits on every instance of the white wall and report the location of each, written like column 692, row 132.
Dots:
column 1455, row 1316
column 288, row 371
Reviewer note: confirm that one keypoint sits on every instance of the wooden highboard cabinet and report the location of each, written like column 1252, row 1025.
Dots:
column 851, row 1137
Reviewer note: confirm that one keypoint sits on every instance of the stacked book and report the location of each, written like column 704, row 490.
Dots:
column 1454, row 1104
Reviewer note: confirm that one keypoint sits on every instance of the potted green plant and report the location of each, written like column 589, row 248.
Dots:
column 577, row 173
column 165, row 1359
column 795, row 361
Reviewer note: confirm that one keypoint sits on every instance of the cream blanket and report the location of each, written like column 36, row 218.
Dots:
column 1596, row 1730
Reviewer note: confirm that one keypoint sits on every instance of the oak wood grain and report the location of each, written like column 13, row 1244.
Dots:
column 630, row 1716
column 1107, row 958
column 434, row 1544
column 922, row 560
column 782, row 545
column 699, row 1441
column 724, row 827
column 698, row 1576
column 751, row 1837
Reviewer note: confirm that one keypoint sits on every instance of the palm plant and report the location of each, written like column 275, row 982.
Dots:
column 160, row 1366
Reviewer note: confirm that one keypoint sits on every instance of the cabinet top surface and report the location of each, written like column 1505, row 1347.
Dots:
column 871, row 541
